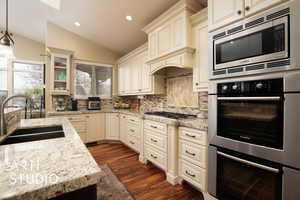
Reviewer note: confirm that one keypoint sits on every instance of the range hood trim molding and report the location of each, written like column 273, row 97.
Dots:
column 186, row 56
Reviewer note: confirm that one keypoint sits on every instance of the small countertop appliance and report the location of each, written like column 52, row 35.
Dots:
column 94, row 103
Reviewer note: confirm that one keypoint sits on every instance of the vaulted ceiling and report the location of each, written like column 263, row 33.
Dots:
column 102, row 21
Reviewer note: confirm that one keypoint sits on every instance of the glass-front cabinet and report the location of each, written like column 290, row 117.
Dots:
column 60, row 74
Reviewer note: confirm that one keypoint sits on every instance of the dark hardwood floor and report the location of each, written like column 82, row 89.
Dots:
column 142, row 181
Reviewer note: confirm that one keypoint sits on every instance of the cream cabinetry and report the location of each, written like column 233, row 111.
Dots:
column 169, row 37
column 123, row 128
column 95, row 127
column 193, row 157
column 112, row 126
column 135, row 75
column 222, row 13
column 90, row 127
column 200, row 42
column 254, row 6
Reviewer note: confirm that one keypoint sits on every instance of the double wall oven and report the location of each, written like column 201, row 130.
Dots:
column 253, row 134
column 254, row 106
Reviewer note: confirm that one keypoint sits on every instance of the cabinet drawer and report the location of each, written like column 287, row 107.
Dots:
column 77, row 118
column 83, row 136
column 133, row 130
column 196, row 154
column 132, row 119
column 134, row 143
column 157, row 140
column 156, row 157
column 155, row 126
column 192, row 135
column 193, row 174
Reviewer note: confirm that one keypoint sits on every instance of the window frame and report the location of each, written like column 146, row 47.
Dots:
column 10, row 73
column 93, row 86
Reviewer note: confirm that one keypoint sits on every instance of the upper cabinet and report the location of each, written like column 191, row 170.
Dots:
column 169, row 36
column 254, row 6
column 60, row 72
column 221, row 13
column 200, row 42
column 135, row 76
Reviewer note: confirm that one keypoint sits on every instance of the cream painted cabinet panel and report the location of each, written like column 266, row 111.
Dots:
column 179, row 39
column 221, row 13
column 152, row 45
column 123, row 129
column 164, row 35
column 200, row 76
column 112, row 126
column 253, row 6
column 127, row 77
column 121, row 81
column 135, row 74
column 95, row 127
column 146, row 78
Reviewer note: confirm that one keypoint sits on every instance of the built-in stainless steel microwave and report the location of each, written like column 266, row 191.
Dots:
column 263, row 43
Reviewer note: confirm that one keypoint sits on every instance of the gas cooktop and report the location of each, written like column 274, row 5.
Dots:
column 171, row 115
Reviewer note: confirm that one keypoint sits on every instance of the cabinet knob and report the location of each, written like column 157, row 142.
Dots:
column 197, row 84
column 239, row 12
column 247, row 8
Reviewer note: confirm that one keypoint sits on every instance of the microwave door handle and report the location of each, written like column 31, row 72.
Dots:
column 271, row 169
column 250, row 98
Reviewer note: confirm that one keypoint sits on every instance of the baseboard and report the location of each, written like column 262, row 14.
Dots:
column 208, row 196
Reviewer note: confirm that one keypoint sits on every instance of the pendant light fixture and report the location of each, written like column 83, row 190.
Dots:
column 6, row 41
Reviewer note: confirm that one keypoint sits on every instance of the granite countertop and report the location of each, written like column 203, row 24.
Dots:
column 196, row 123
column 47, row 168
column 108, row 110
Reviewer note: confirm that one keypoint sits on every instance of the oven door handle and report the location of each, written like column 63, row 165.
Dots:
column 250, row 98
column 271, row 169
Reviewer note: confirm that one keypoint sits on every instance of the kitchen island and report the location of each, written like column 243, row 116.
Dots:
column 48, row 169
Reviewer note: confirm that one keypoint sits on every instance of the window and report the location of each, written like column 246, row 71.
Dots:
column 28, row 79
column 93, row 80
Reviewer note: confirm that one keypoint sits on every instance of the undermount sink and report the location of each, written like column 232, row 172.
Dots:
column 34, row 134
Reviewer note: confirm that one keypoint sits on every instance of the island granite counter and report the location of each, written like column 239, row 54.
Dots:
column 48, row 168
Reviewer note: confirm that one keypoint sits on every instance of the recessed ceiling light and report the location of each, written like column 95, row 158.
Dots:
column 129, row 18
column 77, row 24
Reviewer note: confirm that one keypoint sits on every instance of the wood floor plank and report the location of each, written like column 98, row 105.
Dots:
column 144, row 182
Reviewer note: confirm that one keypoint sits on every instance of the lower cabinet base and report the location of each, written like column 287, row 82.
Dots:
column 208, row 196
column 88, row 193
column 174, row 180
column 142, row 159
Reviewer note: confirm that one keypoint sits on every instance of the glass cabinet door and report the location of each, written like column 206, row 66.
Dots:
column 61, row 70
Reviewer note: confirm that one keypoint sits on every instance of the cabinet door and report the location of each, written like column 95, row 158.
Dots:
column 152, row 45
column 121, row 79
column 253, row 6
column 95, row 127
column 145, row 77
column 135, row 74
column 164, row 36
column 126, row 77
column 112, row 126
column 123, row 129
column 179, row 33
column 221, row 13
column 200, row 75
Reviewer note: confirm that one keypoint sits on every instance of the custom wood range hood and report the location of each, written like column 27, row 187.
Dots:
column 170, row 38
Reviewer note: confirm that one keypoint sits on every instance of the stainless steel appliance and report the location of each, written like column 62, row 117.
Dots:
column 253, row 130
column 94, row 103
column 266, row 42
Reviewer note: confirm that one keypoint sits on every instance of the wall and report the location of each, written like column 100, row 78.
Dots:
column 84, row 49
column 27, row 49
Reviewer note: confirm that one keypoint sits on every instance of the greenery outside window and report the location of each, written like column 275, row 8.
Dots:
column 93, row 80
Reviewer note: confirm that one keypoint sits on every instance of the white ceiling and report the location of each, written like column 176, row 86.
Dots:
column 102, row 21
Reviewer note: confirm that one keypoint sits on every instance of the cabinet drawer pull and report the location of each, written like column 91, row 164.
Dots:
column 132, row 120
column 132, row 130
column 239, row 12
column 192, row 154
column 155, row 157
column 131, row 142
column 153, row 126
column 188, row 173
column 153, row 140
column 191, row 136
column 247, row 8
